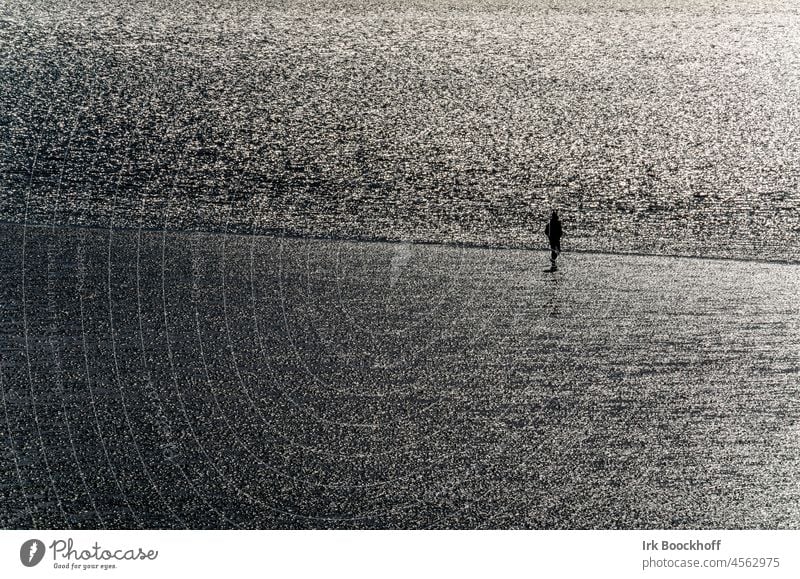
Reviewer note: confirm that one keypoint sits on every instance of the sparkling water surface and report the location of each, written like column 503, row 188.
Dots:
column 659, row 127
column 165, row 365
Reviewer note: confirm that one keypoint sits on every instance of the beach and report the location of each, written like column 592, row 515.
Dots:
column 161, row 379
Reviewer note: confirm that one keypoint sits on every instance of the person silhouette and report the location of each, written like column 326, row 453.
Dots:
column 553, row 232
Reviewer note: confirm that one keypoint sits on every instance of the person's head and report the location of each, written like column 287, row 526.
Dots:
column 554, row 216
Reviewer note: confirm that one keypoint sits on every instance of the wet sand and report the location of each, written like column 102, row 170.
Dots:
column 164, row 380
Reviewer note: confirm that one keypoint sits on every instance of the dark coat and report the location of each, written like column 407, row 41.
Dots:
column 553, row 231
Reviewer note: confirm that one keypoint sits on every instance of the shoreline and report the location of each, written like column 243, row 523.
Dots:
column 286, row 234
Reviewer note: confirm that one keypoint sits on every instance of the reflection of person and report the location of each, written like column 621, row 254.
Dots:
column 553, row 232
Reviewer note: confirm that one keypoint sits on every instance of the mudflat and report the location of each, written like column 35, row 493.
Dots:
column 160, row 379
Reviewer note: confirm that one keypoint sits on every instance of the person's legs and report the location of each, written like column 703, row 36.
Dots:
column 555, row 249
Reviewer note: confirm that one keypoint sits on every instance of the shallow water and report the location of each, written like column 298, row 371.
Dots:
column 159, row 379
column 657, row 127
